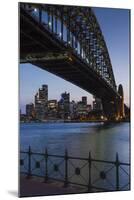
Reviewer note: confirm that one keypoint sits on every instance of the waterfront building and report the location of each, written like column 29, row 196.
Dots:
column 41, row 103
column 73, row 110
column 43, row 94
column 84, row 100
column 97, row 104
column 39, row 111
column 81, row 109
column 61, row 109
column 64, row 106
column 89, row 108
column 66, row 102
column 52, row 109
column 30, row 111
column 23, row 118
column 97, row 112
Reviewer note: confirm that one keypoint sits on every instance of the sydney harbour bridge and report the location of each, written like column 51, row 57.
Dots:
column 68, row 42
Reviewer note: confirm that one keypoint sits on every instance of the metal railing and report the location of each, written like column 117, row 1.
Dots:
column 94, row 174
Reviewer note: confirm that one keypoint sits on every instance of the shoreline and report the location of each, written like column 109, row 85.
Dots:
column 75, row 121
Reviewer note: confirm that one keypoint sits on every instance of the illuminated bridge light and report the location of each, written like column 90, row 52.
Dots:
column 70, row 58
column 117, row 118
column 87, row 60
column 60, row 34
column 105, row 118
column 49, row 23
column 35, row 9
column 102, row 117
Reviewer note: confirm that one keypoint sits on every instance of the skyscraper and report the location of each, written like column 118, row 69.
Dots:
column 81, row 109
column 30, row 110
column 97, row 104
column 84, row 100
column 64, row 105
column 41, row 101
column 73, row 110
column 43, row 93
column 52, row 109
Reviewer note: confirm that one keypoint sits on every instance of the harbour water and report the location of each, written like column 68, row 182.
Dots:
column 102, row 140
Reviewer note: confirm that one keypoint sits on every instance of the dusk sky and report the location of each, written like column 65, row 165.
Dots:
column 114, row 24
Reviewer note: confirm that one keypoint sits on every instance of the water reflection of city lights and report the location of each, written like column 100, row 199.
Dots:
column 117, row 118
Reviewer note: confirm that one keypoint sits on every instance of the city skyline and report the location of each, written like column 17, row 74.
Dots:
column 23, row 111
column 32, row 77
column 43, row 108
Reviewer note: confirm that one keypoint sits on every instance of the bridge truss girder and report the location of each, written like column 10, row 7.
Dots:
column 83, row 54
column 83, row 29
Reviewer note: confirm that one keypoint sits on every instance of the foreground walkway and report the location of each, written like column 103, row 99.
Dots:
column 36, row 187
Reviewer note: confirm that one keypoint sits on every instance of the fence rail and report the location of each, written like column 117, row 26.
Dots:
column 94, row 174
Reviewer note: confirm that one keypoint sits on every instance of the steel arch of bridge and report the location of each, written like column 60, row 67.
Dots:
column 78, row 28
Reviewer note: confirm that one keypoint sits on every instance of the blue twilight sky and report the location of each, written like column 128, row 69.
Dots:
column 114, row 24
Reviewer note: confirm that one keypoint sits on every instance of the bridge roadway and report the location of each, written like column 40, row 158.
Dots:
column 42, row 48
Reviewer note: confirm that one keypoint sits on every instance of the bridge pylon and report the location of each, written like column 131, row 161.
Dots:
column 114, row 109
column 121, row 112
column 110, row 109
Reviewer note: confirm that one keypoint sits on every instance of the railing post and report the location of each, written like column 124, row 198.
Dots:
column 29, row 162
column 117, row 163
column 89, row 181
column 46, row 165
column 66, row 169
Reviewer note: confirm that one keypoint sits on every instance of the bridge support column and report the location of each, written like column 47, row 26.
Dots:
column 121, row 113
column 114, row 109
column 110, row 110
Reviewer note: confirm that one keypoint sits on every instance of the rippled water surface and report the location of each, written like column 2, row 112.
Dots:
column 103, row 140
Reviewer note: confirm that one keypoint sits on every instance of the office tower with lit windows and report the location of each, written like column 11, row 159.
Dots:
column 41, row 103
column 52, row 109
column 30, row 112
column 84, row 100
column 64, row 106
column 97, row 104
